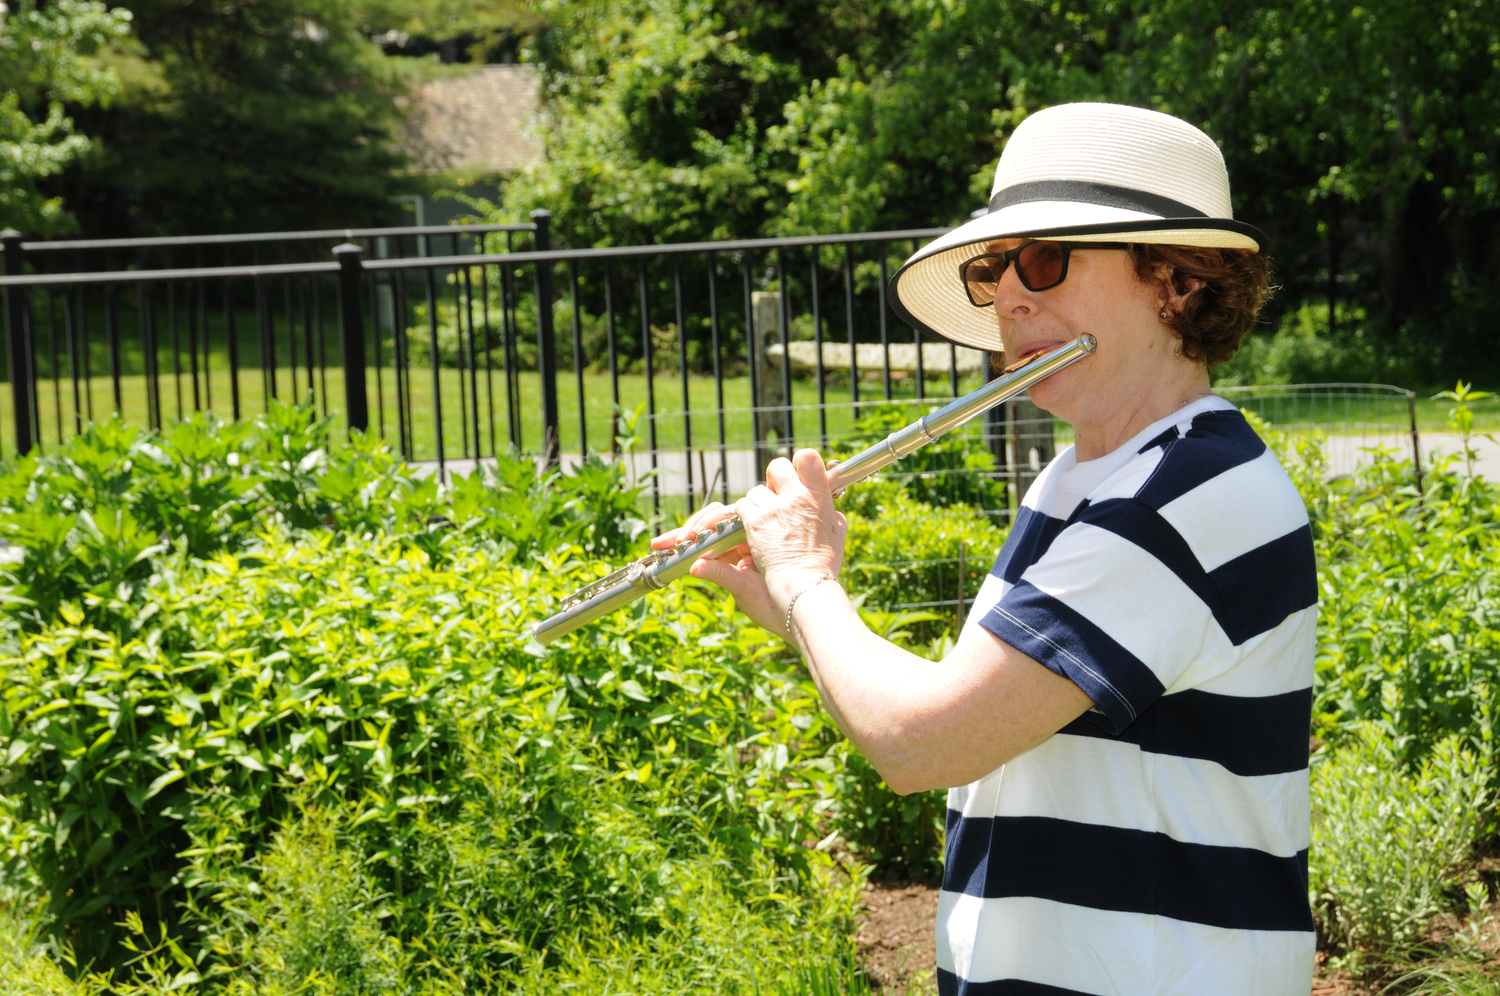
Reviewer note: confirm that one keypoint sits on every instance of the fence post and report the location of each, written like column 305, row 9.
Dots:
column 990, row 365
column 18, row 332
column 352, row 335
column 770, row 415
column 546, row 340
column 1416, row 441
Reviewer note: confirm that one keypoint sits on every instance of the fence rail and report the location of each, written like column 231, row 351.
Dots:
column 456, row 357
column 410, row 347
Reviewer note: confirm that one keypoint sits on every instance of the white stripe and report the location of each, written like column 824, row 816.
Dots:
column 1134, row 598
column 1257, row 498
column 1116, row 954
column 1129, row 480
column 1273, row 663
column 1115, row 784
column 1041, row 489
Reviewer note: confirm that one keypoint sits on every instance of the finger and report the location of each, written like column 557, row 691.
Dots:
column 746, row 508
column 839, row 522
column 780, row 474
column 737, row 579
column 714, row 571
column 709, row 515
column 810, row 470
column 732, row 556
column 760, row 494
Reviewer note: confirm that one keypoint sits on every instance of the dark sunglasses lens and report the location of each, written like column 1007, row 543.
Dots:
column 982, row 279
column 1041, row 264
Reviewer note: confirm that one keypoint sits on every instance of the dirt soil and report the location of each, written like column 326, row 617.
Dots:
column 895, row 937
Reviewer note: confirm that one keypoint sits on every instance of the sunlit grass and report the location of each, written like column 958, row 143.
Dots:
column 60, row 417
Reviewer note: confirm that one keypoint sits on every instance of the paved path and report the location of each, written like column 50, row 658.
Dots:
column 1345, row 453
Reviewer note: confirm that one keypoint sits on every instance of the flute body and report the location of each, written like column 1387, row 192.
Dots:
column 659, row 569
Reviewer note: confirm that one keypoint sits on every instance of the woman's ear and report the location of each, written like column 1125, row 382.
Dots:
column 1176, row 289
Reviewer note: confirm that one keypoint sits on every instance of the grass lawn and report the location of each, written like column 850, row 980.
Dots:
column 1337, row 414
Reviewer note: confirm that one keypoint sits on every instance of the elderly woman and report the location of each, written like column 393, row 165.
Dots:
column 1122, row 725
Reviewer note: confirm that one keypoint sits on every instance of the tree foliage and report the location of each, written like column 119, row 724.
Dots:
column 248, row 114
column 1363, row 138
column 48, row 58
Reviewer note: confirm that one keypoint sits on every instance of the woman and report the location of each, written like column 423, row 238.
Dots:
column 1122, row 725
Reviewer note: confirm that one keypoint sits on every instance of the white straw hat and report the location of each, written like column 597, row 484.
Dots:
column 1081, row 173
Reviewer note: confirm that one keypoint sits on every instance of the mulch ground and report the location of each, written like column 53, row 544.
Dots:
column 895, row 939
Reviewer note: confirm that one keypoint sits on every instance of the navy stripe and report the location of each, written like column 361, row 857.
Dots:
column 1249, row 736
column 1129, row 871
column 1030, row 536
column 1060, row 638
column 1164, row 440
column 1249, row 595
column 951, row 985
column 1217, row 441
column 1268, row 583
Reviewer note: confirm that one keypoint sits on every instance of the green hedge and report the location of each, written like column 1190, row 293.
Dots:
column 269, row 722
column 231, row 658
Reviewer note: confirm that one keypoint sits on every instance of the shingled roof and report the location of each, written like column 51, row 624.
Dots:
column 475, row 123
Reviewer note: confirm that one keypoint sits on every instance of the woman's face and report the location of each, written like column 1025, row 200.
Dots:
column 1102, row 296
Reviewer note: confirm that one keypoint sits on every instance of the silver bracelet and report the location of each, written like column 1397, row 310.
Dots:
column 793, row 603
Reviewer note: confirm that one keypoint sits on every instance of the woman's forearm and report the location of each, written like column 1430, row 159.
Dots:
column 923, row 724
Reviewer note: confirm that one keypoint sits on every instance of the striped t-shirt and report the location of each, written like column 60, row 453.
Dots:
column 1157, row 844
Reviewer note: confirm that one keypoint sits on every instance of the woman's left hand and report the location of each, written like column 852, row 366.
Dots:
column 794, row 537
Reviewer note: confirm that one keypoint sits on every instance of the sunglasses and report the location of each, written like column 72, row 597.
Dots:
column 1040, row 265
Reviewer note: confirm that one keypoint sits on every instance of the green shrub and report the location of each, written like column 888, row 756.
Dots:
column 902, row 552
column 322, row 663
column 1388, row 839
column 1409, row 624
column 26, row 967
column 956, row 470
column 93, row 521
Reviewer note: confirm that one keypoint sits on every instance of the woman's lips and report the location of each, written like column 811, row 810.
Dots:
column 1036, row 347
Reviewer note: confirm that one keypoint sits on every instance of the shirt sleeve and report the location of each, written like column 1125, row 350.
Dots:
column 1117, row 603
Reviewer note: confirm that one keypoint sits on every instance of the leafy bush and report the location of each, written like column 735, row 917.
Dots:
column 952, row 471
column 901, row 551
column 1410, row 606
column 1388, row 839
column 235, row 654
column 322, row 663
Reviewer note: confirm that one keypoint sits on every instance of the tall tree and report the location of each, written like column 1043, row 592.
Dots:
column 48, row 59
column 1364, row 137
column 260, row 114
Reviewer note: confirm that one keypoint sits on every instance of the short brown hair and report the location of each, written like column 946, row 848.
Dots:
column 1236, row 284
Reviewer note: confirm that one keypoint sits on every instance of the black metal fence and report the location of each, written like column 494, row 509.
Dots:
column 710, row 356
column 695, row 363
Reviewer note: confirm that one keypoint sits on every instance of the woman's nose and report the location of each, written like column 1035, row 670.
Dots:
column 1012, row 299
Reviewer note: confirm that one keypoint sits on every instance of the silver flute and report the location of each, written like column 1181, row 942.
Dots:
column 660, row 568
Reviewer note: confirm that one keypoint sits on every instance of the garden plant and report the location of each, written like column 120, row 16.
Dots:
column 270, row 723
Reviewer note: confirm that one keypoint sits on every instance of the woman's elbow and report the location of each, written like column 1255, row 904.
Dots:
column 906, row 779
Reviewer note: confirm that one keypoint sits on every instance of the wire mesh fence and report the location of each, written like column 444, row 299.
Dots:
column 729, row 352
column 968, row 486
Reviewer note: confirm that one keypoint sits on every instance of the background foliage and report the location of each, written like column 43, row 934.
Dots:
column 49, row 59
column 1361, row 137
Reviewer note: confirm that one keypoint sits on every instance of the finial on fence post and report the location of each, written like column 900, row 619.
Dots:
column 352, row 334
column 18, row 334
column 546, row 339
